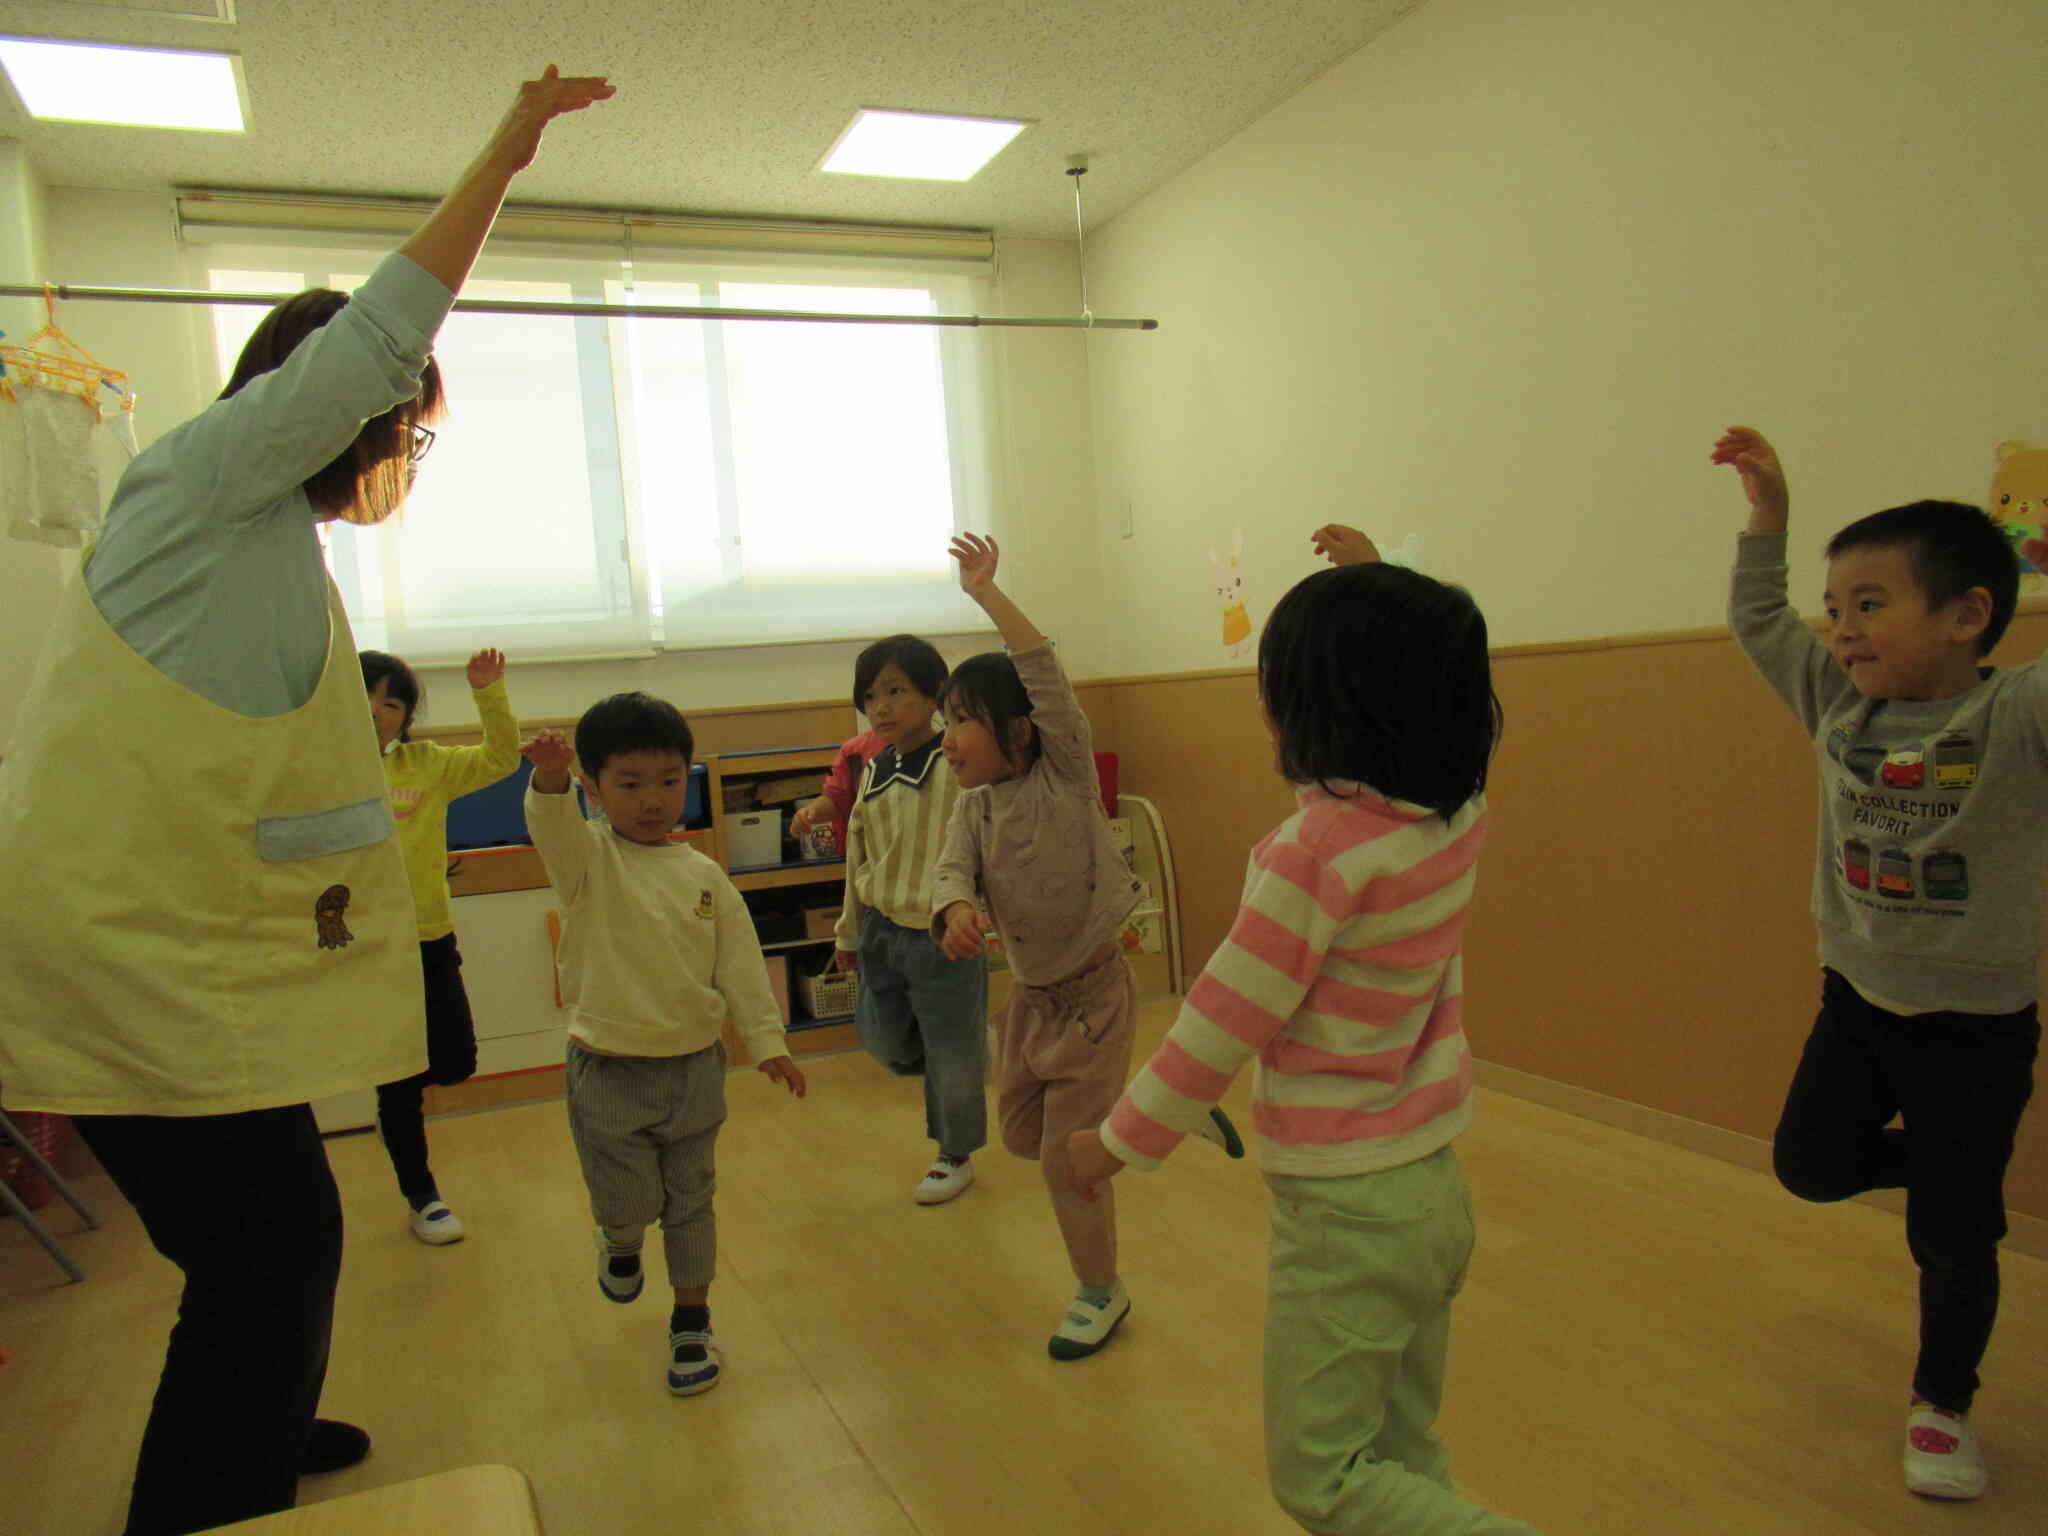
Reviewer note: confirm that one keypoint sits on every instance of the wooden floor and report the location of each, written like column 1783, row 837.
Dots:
column 1651, row 1342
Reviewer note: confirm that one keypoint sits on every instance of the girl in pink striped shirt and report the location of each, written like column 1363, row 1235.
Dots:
column 1342, row 976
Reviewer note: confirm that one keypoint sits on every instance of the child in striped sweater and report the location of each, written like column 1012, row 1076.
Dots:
column 1342, row 975
column 919, row 1013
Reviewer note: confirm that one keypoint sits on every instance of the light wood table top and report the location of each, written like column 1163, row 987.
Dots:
column 470, row 1501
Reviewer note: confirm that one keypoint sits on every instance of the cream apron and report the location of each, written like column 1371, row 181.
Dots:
column 205, row 913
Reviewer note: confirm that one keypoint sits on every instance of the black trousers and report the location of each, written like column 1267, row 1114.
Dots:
column 451, row 1059
column 1960, row 1082
column 246, row 1206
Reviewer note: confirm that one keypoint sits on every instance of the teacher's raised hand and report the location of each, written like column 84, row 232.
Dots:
column 447, row 244
column 539, row 103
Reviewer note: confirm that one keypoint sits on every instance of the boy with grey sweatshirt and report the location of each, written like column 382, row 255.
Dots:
column 1926, row 894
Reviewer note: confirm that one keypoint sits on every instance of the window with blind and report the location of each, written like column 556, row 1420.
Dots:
column 616, row 485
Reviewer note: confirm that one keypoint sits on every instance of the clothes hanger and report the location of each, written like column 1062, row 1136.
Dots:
column 61, row 364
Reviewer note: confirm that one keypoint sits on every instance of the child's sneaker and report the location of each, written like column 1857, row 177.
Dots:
column 1088, row 1325
column 1943, row 1459
column 1217, row 1128
column 619, row 1275
column 947, row 1178
column 434, row 1223
column 692, row 1362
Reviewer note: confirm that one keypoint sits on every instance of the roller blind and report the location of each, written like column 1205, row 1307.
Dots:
column 611, row 486
column 207, row 217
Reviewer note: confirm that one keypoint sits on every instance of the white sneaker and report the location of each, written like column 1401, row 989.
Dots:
column 619, row 1288
column 434, row 1223
column 693, row 1362
column 1943, row 1459
column 1088, row 1325
column 945, row 1180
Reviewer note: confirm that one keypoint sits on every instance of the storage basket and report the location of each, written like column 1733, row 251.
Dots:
column 829, row 994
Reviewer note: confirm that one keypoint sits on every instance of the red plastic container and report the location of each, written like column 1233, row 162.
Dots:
column 49, row 1135
column 1105, row 774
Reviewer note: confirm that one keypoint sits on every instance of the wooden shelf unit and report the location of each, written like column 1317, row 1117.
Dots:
column 823, row 880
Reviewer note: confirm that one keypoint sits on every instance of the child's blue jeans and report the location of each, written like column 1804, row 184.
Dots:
column 919, row 1011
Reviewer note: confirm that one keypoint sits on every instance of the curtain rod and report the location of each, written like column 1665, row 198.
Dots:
column 69, row 293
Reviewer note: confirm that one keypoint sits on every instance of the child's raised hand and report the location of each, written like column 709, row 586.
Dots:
column 1344, row 546
column 552, row 758
column 486, row 667
column 978, row 558
column 1763, row 477
column 1090, row 1164
column 785, row 1072
column 962, row 938
column 809, row 814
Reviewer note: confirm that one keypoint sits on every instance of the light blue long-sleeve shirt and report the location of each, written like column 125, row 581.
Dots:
column 209, row 565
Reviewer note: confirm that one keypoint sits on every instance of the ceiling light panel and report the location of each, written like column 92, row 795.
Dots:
column 918, row 146
column 129, row 87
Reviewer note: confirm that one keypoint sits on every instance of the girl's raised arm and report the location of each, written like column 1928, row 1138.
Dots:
column 977, row 558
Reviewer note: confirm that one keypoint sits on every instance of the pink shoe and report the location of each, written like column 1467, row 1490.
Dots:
column 1943, row 1459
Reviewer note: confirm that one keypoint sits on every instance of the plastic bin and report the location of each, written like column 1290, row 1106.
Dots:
column 753, row 838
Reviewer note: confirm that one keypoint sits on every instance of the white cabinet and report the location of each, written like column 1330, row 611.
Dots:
column 508, row 967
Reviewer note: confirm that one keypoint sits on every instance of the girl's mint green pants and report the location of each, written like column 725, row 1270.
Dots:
column 1358, row 1326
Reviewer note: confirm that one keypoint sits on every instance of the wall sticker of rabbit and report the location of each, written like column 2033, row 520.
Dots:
column 1230, row 598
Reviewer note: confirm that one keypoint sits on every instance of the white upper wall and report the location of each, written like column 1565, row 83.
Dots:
column 127, row 239
column 22, row 218
column 30, row 574
column 1500, row 277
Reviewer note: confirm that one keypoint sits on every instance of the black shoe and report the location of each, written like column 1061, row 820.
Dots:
column 1218, row 1129
column 332, row 1446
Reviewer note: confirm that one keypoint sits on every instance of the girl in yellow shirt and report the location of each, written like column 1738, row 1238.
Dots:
column 421, row 778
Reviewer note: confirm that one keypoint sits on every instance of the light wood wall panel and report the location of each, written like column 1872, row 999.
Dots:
column 1641, row 928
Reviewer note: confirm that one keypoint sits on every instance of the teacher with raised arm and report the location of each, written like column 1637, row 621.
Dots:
column 212, row 925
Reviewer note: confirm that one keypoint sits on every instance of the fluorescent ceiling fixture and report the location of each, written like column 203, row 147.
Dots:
column 133, row 87
column 922, row 146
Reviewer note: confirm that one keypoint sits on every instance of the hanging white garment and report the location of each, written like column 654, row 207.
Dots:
column 61, row 456
column 67, row 432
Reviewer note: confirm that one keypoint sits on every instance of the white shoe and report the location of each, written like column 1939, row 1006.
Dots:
column 1088, row 1325
column 944, row 1181
column 1943, row 1459
column 434, row 1223
column 693, row 1362
column 619, row 1288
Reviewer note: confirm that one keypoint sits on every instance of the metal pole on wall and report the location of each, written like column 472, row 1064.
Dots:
column 73, row 293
